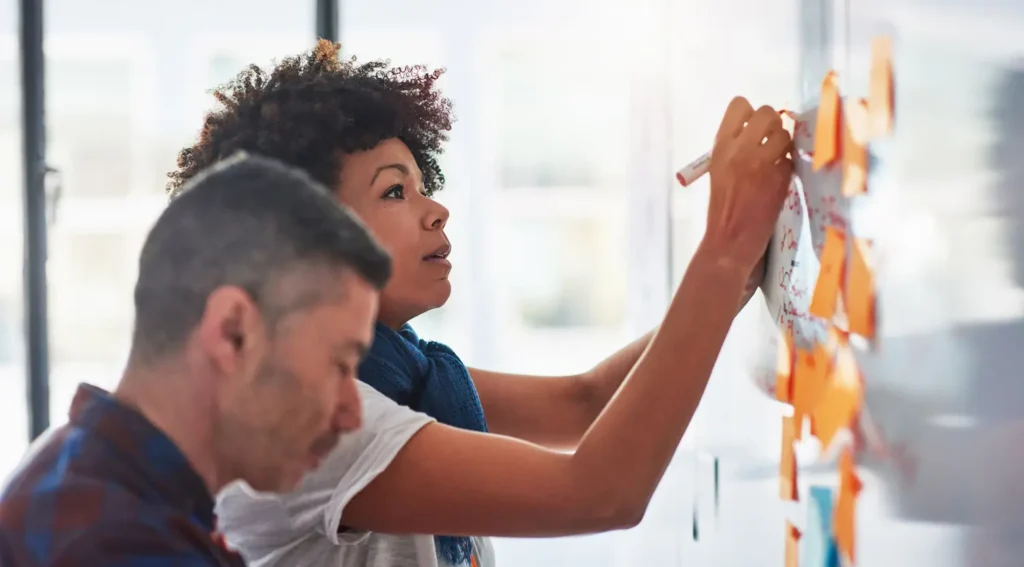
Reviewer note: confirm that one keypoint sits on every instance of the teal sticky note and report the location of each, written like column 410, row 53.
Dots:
column 819, row 547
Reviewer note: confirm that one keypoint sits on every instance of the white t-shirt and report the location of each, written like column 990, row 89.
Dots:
column 301, row 528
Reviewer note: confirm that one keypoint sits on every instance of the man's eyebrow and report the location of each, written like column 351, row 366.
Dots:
column 345, row 348
column 358, row 347
column 362, row 349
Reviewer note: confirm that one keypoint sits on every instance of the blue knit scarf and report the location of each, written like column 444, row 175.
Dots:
column 430, row 378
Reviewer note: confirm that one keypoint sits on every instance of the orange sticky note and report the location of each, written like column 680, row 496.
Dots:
column 881, row 96
column 836, row 338
column 833, row 256
column 841, row 399
column 784, row 370
column 808, row 381
column 827, row 126
column 792, row 545
column 844, row 513
column 787, row 462
column 855, row 149
column 860, row 290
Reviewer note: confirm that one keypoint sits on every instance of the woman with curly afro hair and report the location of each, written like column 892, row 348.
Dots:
column 555, row 455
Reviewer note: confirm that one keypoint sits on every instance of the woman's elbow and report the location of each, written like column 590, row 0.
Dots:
column 606, row 514
column 630, row 515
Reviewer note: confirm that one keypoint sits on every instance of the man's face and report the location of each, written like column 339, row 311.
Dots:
column 285, row 411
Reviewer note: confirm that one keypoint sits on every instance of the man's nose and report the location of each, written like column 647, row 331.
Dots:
column 348, row 415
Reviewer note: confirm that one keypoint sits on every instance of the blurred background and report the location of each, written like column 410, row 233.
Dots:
column 569, row 234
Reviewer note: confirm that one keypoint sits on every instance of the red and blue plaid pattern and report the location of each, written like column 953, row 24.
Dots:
column 108, row 489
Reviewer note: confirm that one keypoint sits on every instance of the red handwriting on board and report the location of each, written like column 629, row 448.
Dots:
column 835, row 220
column 785, row 277
column 786, row 284
column 788, row 309
column 788, row 240
column 832, row 217
column 786, row 324
column 797, row 292
column 793, row 201
column 801, row 129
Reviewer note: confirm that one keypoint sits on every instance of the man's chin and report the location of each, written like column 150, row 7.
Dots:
column 290, row 481
column 283, row 481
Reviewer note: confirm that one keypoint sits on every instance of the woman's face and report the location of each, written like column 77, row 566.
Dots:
column 384, row 187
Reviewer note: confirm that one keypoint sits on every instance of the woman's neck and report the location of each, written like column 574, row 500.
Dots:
column 396, row 318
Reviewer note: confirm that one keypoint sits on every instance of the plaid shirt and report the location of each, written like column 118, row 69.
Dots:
column 108, row 489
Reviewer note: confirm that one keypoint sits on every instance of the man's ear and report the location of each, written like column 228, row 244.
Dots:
column 231, row 332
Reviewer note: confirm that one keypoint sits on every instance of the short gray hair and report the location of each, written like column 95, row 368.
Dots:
column 248, row 222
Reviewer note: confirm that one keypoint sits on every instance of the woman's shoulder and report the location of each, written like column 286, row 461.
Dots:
column 356, row 459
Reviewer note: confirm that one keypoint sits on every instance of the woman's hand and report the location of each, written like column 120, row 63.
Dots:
column 750, row 175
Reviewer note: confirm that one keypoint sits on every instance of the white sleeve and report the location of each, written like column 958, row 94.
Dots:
column 251, row 520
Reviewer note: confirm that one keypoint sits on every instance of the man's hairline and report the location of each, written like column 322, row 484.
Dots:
column 313, row 295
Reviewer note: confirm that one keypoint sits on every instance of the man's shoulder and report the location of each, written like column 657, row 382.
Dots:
column 42, row 455
column 86, row 520
column 57, row 468
column 67, row 459
column 153, row 539
column 55, row 496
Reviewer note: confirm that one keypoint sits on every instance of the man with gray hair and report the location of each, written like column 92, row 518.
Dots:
column 255, row 303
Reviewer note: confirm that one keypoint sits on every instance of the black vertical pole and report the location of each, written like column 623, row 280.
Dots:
column 327, row 19
column 34, row 149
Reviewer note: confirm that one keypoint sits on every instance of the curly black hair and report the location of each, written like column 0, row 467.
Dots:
column 312, row 109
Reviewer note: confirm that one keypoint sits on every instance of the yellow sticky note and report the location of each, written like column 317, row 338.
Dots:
column 826, row 290
column 881, row 95
column 827, row 126
column 855, row 149
column 784, row 370
column 792, row 545
column 844, row 514
column 841, row 400
column 787, row 462
column 860, row 290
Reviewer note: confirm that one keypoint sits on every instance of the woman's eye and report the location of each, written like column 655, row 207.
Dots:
column 396, row 192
